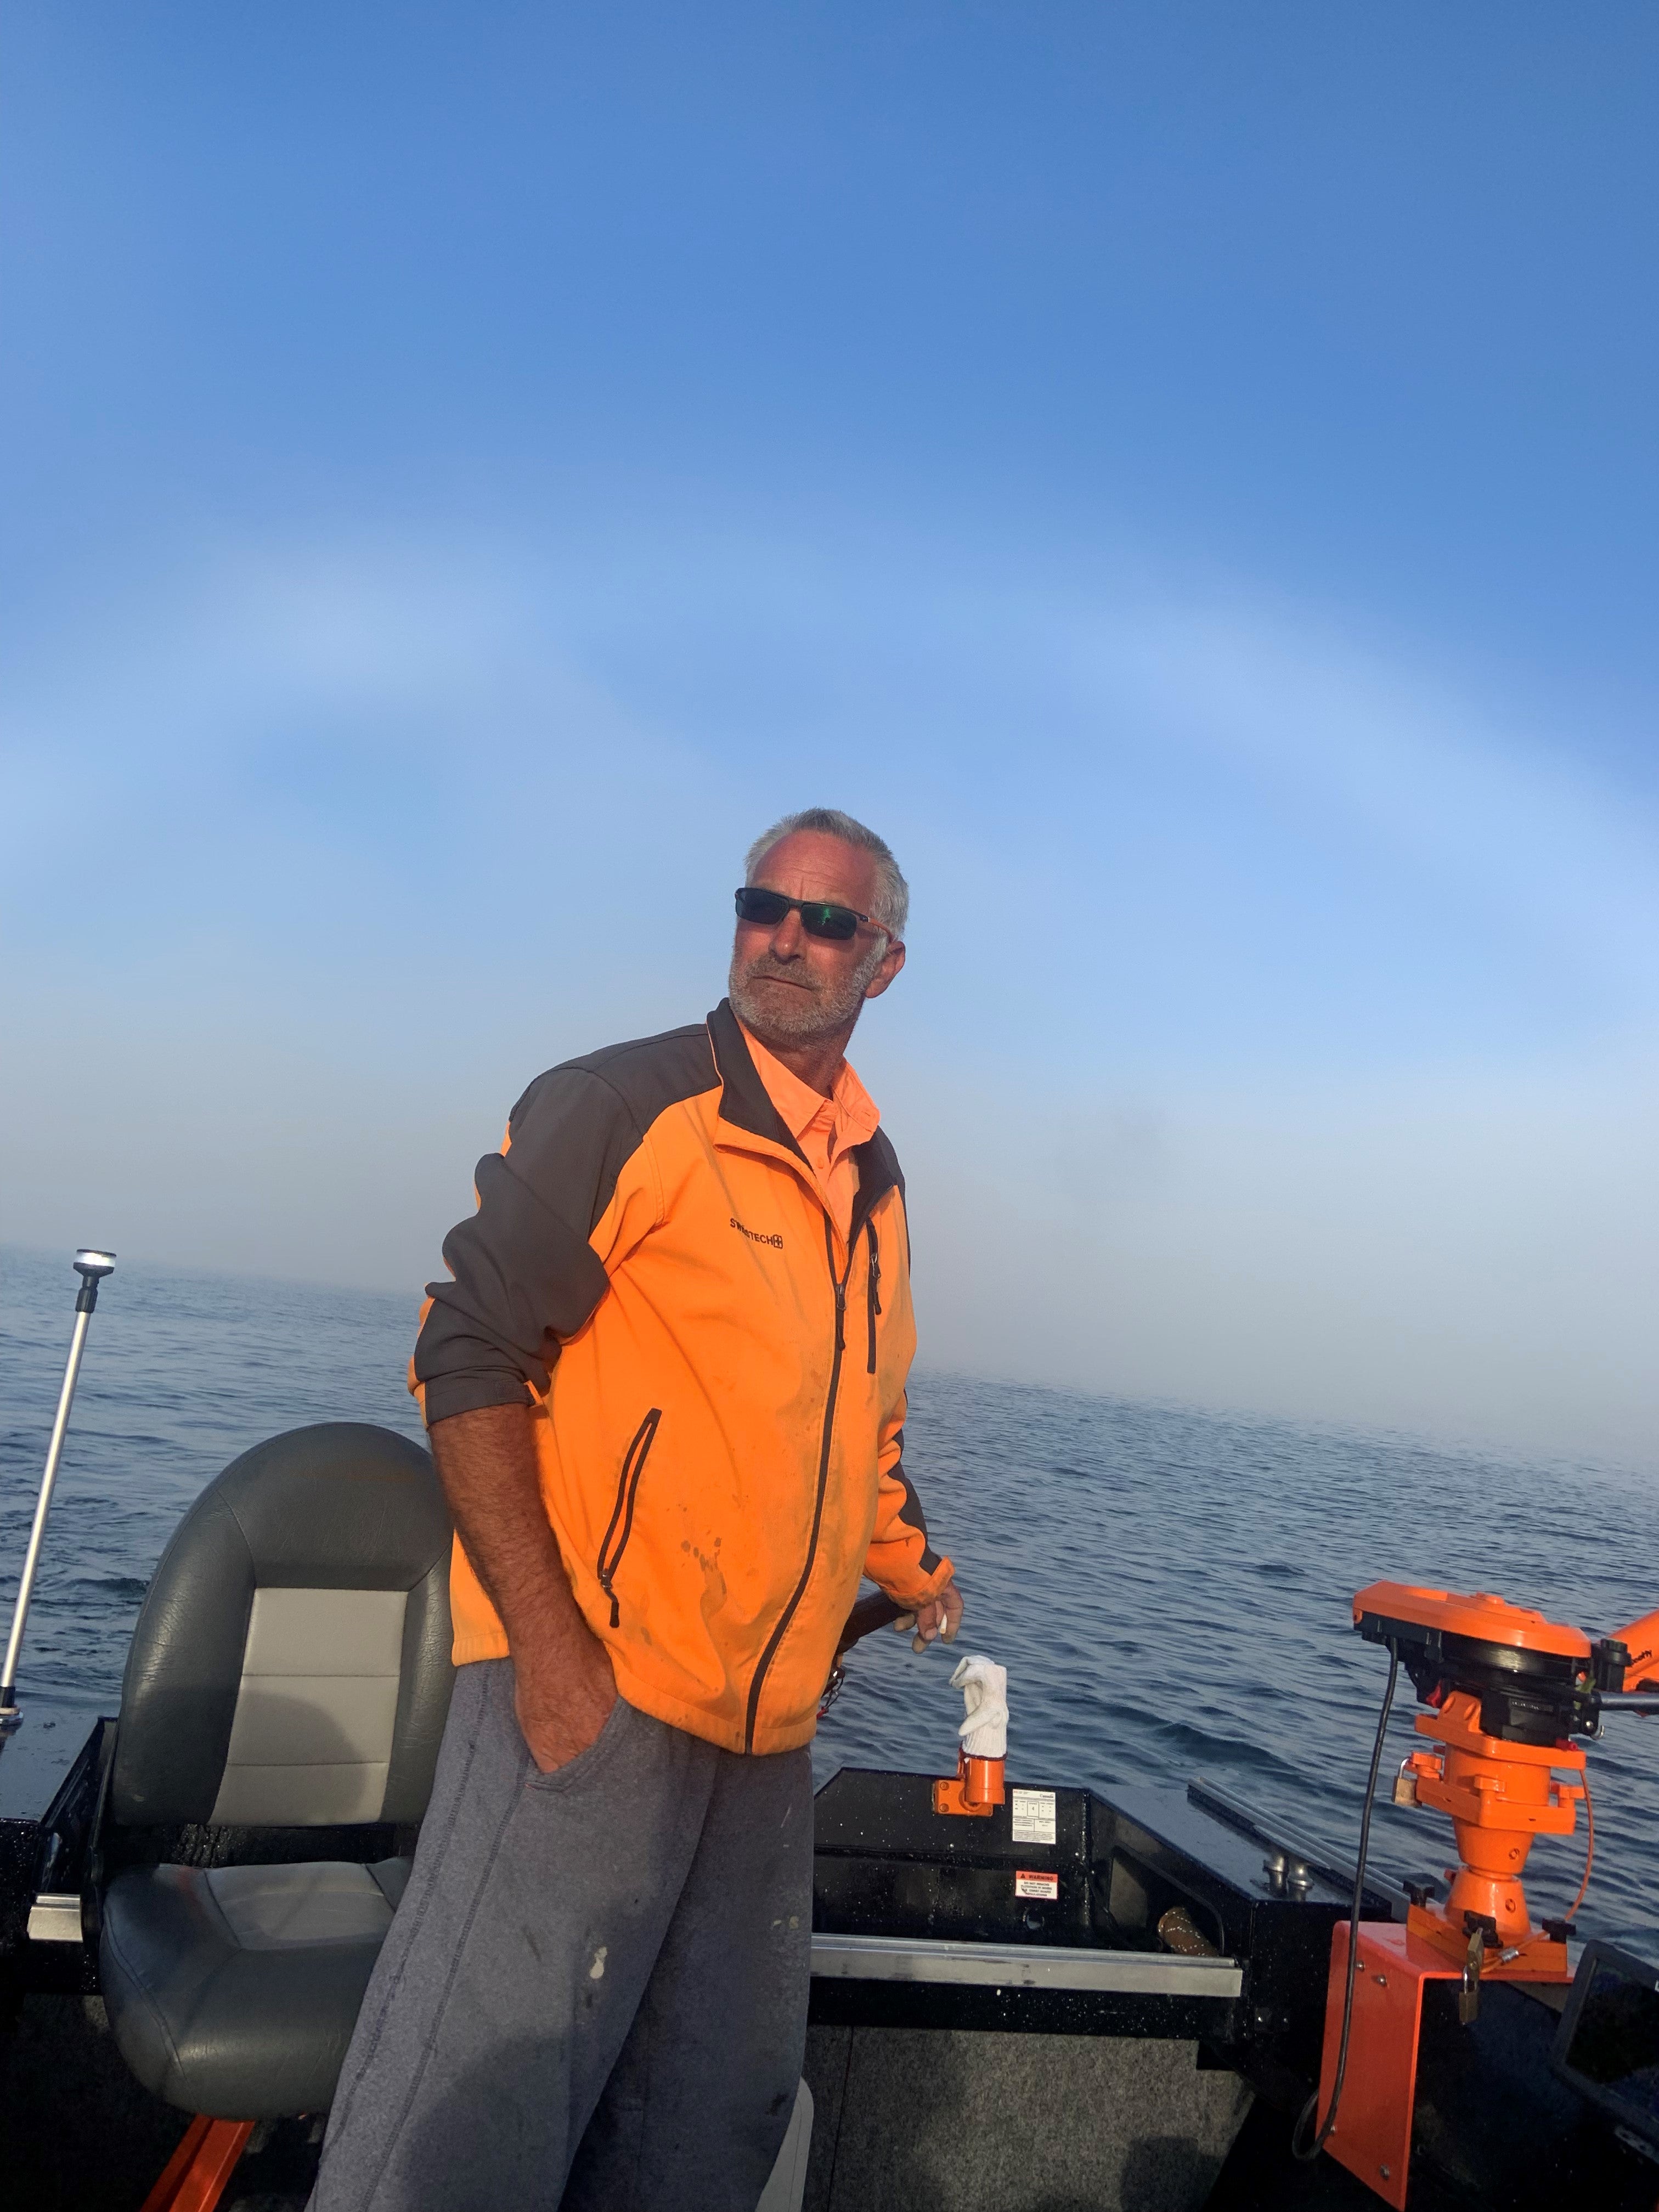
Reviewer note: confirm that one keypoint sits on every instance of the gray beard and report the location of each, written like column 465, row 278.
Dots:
column 809, row 1013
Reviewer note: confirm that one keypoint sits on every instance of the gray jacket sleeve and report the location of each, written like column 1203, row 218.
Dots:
column 522, row 1272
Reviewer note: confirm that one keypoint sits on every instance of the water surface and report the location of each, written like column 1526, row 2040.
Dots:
column 1169, row 1589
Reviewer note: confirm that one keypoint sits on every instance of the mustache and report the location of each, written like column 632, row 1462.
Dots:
column 787, row 971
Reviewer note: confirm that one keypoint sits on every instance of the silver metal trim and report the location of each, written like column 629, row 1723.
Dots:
column 55, row 1917
column 1021, row 1967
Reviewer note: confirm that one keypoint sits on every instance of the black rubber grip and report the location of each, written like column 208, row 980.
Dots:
column 871, row 1612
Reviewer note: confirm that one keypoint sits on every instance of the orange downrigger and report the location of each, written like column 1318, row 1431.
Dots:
column 1507, row 1690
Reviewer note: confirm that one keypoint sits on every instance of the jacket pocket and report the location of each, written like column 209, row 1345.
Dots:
column 874, row 1299
column 622, row 1513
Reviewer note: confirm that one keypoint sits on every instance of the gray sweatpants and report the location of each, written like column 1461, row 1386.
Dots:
column 594, row 1990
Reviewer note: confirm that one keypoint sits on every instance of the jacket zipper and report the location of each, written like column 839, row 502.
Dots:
column 875, row 1288
column 627, row 1489
column 789, row 1611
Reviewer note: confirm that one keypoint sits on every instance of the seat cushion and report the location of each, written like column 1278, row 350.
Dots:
column 233, row 1991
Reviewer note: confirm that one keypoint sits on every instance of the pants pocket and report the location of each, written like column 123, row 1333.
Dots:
column 574, row 1770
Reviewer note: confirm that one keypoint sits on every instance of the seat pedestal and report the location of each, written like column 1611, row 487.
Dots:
column 194, row 2178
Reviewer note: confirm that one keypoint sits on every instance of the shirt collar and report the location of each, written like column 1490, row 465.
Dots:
column 855, row 1114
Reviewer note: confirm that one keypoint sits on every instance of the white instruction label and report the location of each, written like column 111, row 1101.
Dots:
column 1028, row 1884
column 1031, row 1816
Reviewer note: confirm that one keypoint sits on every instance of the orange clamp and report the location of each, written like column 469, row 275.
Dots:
column 975, row 1788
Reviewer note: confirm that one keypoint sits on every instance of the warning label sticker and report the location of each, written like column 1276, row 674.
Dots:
column 1037, row 1885
column 1031, row 1814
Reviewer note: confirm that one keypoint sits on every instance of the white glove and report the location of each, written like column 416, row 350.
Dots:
column 984, row 1688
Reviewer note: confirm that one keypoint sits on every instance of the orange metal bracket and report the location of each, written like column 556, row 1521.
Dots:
column 1499, row 1796
column 975, row 1788
column 194, row 2178
column 1372, row 2136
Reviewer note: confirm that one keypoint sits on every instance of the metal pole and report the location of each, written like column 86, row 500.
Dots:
column 91, row 1267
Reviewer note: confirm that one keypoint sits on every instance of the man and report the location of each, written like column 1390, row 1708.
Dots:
column 665, row 1395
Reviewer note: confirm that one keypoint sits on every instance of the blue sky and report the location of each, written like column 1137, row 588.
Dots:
column 1185, row 472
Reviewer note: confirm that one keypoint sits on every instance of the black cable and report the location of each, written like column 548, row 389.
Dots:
column 1311, row 2107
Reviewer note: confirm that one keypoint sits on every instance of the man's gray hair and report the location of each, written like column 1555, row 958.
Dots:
column 890, row 903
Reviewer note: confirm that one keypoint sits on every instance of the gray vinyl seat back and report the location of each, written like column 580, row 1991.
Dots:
column 291, row 1666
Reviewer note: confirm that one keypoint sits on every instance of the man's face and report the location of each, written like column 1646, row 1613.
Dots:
column 792, row 988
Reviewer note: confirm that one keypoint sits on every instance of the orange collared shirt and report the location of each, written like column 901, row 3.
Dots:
column 826, row 1129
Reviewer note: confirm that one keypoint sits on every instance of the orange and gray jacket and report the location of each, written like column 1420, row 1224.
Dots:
column 718, row 1378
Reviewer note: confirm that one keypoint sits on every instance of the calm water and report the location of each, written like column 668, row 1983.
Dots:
column 1169, row 1589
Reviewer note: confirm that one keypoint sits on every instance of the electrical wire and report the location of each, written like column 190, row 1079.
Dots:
column 1590, row 1852
column 1304, row 2155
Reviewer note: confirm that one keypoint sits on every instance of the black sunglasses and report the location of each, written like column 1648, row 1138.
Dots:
column 817, row 917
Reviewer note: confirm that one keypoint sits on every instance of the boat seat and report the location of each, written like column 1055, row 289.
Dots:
column 290, row 1669
column 237, row 1988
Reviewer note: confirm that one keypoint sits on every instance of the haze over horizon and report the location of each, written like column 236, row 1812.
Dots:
column 1187, row 478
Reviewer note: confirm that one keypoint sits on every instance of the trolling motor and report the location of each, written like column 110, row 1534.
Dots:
column 1506, row 1691
column 92, row 1267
